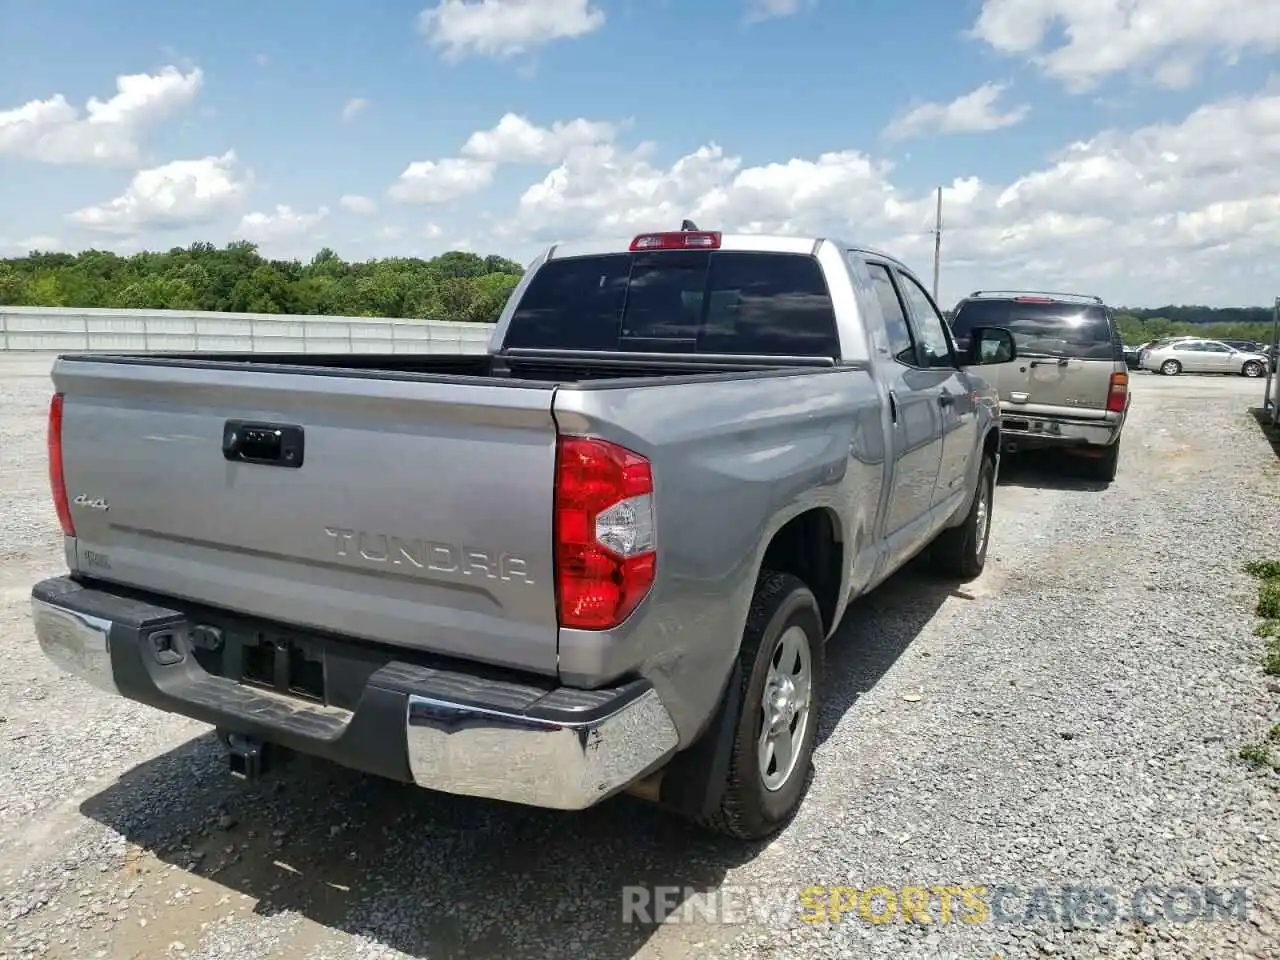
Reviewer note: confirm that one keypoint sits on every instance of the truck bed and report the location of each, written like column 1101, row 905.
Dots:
column 539, row 366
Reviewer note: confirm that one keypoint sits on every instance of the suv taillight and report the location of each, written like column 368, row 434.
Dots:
column 56, row 481
column 1118, row 392
column 605, row 549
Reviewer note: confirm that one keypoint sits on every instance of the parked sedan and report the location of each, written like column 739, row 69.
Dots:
column 1203, row 356
column 1156, row 344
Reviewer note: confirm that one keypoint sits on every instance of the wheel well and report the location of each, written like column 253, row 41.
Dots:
column 807, row 547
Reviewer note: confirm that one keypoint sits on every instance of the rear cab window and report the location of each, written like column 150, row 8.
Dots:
column 687, row 301
column 1078, row 331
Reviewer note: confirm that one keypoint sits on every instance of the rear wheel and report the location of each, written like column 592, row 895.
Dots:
column 1105, row 467
column 782, row 659
column 1252, row 368
column 1171, row 368
column 962, row 551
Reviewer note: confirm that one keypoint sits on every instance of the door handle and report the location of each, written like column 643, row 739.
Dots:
column 945, row 399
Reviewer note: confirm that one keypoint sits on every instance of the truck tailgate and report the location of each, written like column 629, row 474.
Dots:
column 420, row 514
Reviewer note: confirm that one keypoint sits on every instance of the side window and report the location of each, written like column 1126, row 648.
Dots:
column 901, row 344
column 1216, row 348
column 1193, row 346
column 929, row 323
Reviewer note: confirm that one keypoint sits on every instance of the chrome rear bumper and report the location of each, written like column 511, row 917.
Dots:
column 443, row 729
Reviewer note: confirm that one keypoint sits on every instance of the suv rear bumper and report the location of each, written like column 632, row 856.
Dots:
column 1021, row 431
column 455, row 730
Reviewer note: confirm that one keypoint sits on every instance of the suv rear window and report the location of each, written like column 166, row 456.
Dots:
column 689, row 301
column 1075, row 330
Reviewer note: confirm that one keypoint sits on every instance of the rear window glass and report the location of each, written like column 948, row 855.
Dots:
column 1075, row 330
column 689, row 301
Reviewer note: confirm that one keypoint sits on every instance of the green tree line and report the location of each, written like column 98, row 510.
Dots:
column 455, row 286
column 1236, row 323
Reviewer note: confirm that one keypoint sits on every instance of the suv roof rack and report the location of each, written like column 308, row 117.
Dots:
column 1036, row 293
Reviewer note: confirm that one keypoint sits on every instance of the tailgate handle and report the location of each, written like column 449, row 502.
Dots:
column 269, row 444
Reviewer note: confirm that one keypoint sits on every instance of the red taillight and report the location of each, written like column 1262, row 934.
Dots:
column 1118, row 392
column 604, row 532
column 683, row 240
column 56, row 482
column 1033, row 299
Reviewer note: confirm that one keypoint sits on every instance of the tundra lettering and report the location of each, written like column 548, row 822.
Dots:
column 695, row 448
column 428, row 555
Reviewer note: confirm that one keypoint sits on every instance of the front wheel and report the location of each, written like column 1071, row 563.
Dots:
column 962, row 551
column 1252, row 368
column 1171, row 368
column 782, row 660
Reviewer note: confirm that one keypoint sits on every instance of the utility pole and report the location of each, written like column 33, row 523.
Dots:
column 937, row 245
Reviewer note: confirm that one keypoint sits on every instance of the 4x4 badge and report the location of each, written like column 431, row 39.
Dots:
column 95, row 504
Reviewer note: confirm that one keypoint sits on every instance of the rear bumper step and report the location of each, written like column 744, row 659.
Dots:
column 443, row 729
column 1027, row 431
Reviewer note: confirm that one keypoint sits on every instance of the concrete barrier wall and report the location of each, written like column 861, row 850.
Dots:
column 69, row 330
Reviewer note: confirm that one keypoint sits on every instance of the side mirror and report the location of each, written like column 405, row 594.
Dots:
column 988, row 345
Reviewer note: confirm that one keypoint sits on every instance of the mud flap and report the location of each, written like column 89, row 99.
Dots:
column 693, row 782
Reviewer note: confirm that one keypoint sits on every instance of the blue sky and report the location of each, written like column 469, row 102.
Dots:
column 1172, row 191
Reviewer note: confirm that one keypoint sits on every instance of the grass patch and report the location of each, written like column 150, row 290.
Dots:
column 1258, row 756
column 1267, row 573
column 1263, row 569
column 1269, row 600
column 1271, row 658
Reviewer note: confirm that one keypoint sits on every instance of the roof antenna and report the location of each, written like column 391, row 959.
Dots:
column 688, row 226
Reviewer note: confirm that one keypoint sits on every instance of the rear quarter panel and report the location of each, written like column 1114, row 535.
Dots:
column 733, row 461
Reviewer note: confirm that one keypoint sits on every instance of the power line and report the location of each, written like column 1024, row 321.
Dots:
column 937, row 245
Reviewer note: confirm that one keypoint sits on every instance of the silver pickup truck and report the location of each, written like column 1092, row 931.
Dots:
column 603, row 556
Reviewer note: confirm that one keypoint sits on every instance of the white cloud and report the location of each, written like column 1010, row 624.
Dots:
column 1161, row 213
column 353, row 107
column 42, row 242
column 432, row 231
column 503, row 28
column 354, row 203
column 973, row 112
column 515, row 140
column 109, row 132
column 284, row 224
column 177, row 194
column 431, row 181
column 759, row 10
column 1100, row 38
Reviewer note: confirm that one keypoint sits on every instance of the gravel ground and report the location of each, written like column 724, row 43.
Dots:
column 1071, row 718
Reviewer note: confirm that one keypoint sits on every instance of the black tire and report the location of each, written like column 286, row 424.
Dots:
column 1104, row 468
column 1171, row 368
column 1252, row 368
column 748, row 809
column 961, row 551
